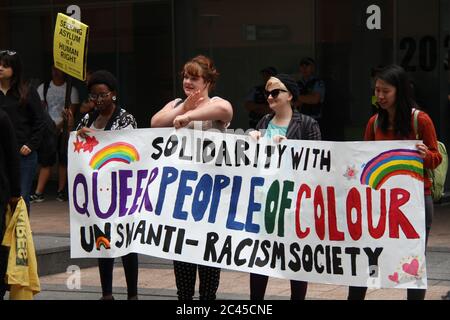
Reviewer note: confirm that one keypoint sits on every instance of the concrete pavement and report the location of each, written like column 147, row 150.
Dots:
column 50, row 224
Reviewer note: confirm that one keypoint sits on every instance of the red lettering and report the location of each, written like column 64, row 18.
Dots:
column 354, row 202
column 319, row 217
column 378, row 231
column 303, row 189
column 396, row 217
column 335, row 234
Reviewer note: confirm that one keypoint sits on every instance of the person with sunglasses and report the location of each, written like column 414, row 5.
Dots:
column 22, row 104
column 107, row 115
column 198, row 110
column 283, row 123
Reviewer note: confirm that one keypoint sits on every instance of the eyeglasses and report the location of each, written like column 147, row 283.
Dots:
column 274, row 93
column 8, row 52
column 94, row 97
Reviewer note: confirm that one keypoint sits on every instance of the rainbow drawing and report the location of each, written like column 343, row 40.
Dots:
column 116, row 152
column 392, row 163
column 102, row 241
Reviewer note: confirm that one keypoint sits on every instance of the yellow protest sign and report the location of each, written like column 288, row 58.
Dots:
column 70, row 46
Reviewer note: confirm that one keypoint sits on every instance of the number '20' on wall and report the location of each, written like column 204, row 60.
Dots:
column 428, row 52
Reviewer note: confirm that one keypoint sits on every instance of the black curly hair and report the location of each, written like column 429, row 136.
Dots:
column 103, row 77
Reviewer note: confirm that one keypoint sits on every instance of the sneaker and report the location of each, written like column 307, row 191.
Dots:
column 61, row 196
column 36, row 197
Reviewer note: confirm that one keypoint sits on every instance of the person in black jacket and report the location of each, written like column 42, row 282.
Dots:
column 285, row 123
column 23, row 106
column 9, row 185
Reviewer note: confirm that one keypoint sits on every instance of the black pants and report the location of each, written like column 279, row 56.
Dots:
column 3, row 252
column 258, row 285
column 185, row 277
column 130, row 265
column 3, row 265
column 359, row 293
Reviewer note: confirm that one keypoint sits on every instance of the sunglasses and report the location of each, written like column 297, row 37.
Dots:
column 8, row 52
column 274, row 93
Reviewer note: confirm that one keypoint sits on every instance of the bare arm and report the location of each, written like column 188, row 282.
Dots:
column 218, row 110
column 165, row 116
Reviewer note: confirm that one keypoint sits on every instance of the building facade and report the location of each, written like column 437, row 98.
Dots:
column 146, row 42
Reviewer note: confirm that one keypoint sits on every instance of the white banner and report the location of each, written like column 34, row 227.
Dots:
column 349, row 213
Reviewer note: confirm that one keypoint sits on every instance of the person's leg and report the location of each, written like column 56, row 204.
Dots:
column 3, row 267
column 419, row 294
column 185, row 277
column 131, row 267
column 44, row 176
column 3, row 252
column 356, row 293
column 28, row 166
column 258, row 285
column 105, row 268
column 298, row 290
column 62, row 167
column 62, row 179
column 209, row 282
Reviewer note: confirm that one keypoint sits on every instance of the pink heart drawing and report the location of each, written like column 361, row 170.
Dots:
column 411, row 268
column 394, row 277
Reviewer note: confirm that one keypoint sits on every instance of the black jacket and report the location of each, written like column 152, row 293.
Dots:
column 301, row 127
column 9, row 161
column 28, row 120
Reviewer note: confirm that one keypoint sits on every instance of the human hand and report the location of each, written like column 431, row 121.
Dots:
column 87, row 106
column 278, row 138
column 85, row 132
column 25, row 150
column 423, row 150
column 193, row 101
column 255, row 135
column 68, row 116
column 181, row 121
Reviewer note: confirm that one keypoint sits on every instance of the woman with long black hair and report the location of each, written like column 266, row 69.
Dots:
column 395, row 120
column 22, row 104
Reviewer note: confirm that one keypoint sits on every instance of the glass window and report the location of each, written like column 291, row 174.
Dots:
column 243, row 38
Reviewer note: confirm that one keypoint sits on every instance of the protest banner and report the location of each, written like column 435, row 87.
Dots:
column 70, row 46
column 349, row 213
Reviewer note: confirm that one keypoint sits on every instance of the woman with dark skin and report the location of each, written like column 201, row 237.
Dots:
column 107, row 115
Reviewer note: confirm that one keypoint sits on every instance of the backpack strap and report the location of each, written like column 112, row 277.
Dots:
column 375, row 124
column 415, row 113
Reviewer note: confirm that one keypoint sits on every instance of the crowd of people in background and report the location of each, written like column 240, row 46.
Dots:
column 284, row 107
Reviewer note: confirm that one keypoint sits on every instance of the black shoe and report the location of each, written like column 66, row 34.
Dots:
column 61, row 196
column 37, row 197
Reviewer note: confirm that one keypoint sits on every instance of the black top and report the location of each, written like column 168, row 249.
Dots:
column 28, row 120
column 9, row 160
column 301, row 127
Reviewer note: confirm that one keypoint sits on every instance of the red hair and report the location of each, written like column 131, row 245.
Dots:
column 201, row 66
